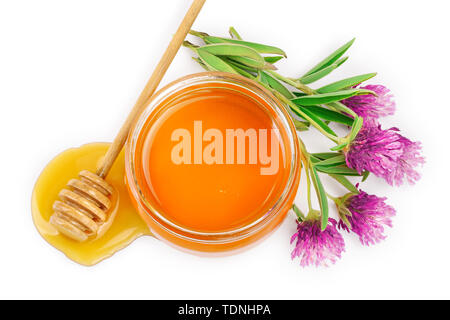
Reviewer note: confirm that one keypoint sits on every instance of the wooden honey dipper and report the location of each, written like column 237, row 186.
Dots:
column 83, row 206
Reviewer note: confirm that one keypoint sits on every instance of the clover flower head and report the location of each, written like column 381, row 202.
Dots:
column 385, row 153
column 315, row 247
column 366, row 216
column 372, row 106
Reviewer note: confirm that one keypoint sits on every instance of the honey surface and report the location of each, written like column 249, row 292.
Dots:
column 124, row 224
column 208, row 197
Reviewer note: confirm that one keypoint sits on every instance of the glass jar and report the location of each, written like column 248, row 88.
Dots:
column 236, row 236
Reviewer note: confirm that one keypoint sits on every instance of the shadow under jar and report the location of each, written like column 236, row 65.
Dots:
column 213, row 163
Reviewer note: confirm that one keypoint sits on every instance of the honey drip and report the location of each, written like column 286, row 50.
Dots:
column 122, row 228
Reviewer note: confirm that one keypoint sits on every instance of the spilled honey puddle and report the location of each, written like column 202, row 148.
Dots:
column 125, row 224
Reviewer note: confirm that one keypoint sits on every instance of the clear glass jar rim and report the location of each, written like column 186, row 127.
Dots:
column 198, row 79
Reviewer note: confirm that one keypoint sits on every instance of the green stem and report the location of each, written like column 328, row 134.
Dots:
column 307, row 163
column 339, row 106
column 295, row 84
column 308, row 181
column 331, row 197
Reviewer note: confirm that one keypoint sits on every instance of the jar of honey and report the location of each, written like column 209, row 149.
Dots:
column 212, row 165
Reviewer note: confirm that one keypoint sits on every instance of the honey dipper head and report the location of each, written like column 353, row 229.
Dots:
column 82, row 207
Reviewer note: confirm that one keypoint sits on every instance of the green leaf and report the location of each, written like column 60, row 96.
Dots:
column 252, row 63
column 339, row 147
column 198, row 34
column 273, row 60
column 332, row 58
column 339, row 106
column 325, row 155
column 241, row 69
column 234, row 33
column 301, row 125
column 332, row 162
column 275, row 84
column 215, row 63
column 261, row 48
column 357, row 125
column 339, row 170
column 261, row 79
column 322, row 197
column 346, row 83
column 325, row 98
column 322, row 73
column 299, row 94
column 232, row 61
column 242, row 72
column 345, row 182
column 200, row 62
column 189, row 45
column 230, row 49
column 365, row 175
column 300, row 215
column 341, row 62
column 330, row 115
column 313, row 118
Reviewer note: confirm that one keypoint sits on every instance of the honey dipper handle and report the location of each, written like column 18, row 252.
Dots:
column 151, row 86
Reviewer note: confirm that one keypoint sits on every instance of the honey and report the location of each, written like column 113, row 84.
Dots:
column 212, row 163
column 209, row 197
column 122, row 227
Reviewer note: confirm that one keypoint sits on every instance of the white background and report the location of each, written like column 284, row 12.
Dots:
column 71, row 70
